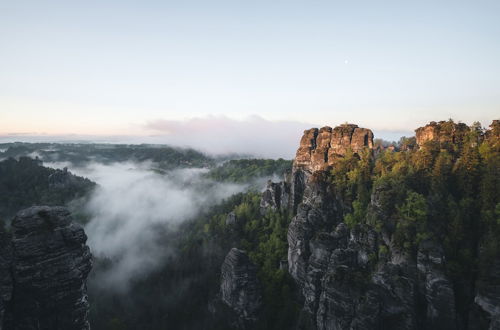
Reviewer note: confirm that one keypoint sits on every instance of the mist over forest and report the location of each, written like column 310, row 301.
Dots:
column 242, row 243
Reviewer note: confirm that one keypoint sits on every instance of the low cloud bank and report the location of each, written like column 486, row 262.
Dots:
column 219, row 135
column 134, row 207
column 214, row 135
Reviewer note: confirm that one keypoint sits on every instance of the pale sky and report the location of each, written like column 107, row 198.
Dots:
column 118, row 67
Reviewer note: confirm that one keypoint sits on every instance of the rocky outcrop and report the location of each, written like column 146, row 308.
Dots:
column 443, row 132
column 345, row 287
column 435, row 287
column 231, row 219
column 276, row 196
column 239, row 288
column 356, row 278
column 319, row 148
column 48, row 263
column 317, row 152
column 319, row 213
column 361, row 277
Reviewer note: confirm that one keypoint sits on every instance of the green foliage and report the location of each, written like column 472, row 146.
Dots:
column 245, row 170
column 411, row 228
column 383, row 250
column 445, row 191
column 351, row 178
column 264, row 239
column 164, row 157
column 25, row 182
column 357, row 216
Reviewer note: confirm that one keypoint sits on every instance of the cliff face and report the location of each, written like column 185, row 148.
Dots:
column 346, row 280
column 318, row 151
column 341, row 285
column 44, row 264
column 239, row 288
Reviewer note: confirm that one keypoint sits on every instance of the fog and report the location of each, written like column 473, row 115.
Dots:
column 219, row 134
column 131, row 209
column 215, row 135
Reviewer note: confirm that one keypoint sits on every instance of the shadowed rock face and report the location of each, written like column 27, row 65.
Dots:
column 486, row 308
column 239, row 287
column 343, row 289
column 49, row 263
column 319, row 148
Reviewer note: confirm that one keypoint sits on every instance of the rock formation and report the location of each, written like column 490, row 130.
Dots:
column 319, row 149
column 443, row 132
column 317, row 152
column 357, row 278
column 275, row 196
column 239, row 287
column 48, row 263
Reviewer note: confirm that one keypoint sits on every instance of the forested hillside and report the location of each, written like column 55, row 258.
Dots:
column 26, row 182
column 80, row 154
column 357, row 235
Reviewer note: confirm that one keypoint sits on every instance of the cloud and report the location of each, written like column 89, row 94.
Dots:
column 134, row 209
column 218, row 134
column 212, row 134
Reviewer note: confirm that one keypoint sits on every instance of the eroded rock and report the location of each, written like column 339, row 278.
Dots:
column 239, row 287
column 49, row 263
column 443, row 132
column 320, row 148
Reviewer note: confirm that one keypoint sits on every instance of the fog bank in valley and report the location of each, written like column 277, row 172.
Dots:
column 132, row 208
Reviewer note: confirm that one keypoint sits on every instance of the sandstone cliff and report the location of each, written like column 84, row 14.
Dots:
column 319, row 148
column 44, row 263
column 358, row 278
column 442, row 132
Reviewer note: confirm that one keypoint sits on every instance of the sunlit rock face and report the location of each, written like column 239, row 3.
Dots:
column 443, row 132
column 49, row 263
column 319, row 148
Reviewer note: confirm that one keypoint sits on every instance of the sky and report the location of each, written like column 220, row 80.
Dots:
column 116, row 69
